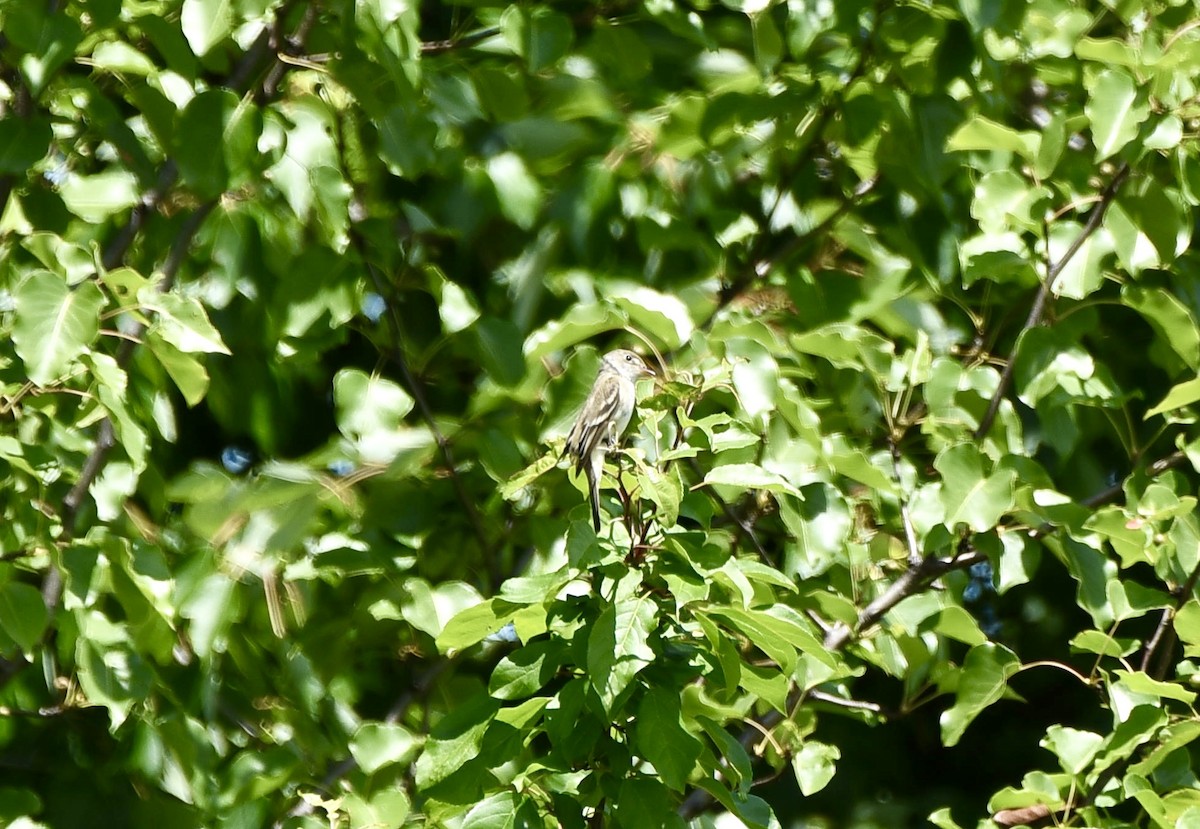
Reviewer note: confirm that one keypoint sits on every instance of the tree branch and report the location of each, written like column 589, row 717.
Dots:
column 1038, row 311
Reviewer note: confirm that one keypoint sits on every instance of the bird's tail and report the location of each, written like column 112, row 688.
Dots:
column 593, row 479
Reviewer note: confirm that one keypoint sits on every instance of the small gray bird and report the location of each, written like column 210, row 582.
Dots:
column 604, row 417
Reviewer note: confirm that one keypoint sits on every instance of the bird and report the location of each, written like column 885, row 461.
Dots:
column 604, row 417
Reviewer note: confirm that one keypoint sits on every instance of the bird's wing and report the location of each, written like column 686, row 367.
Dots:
column 592, row 424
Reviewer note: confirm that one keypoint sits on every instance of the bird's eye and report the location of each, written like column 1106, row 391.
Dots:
column 629, row 358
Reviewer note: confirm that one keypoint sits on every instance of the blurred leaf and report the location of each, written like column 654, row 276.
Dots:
column 97, row 198
column 1116, row 109
column 119, row 57
column 206, row 23
column 749, row 476
column 188, row 373
column 182, row 322
column 662, row 316
column 376, row 745
column 22, row 614
column 70, row 261
column 23, row 143
column 981, row 133
column 518, row 192
column 456, row 307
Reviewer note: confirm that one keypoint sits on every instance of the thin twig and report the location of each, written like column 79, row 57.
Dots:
column 1163, row 640
column 743, row 527
column 1155, row 469
column 910, row 533
column 439, row 47
column 1038, row 311
column 396, row 355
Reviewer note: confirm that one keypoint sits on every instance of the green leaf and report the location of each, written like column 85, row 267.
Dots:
column 1180, row 395
column 1172, row 319
column 182, row 321
column 969, row 496
column 97, row 198
column 735, row 754
column 748, row 476
column 814, row 766
column 119, row 57
column 523, row 672
column 645, row 803
column 456, row 739
column 72, row 262
column 111, row 384
column 496, row 811
column 1116, row 108
column 48, row 39
column 1187, row 623
column 619, row 645
column 519, row 193
column 215, row 140
column 206, row 23
column 23, row 143
column 981, row 683
column 456, row 307
column 370, row 410
column 511, row 488
column 579, row 324
column 1142, row 683
column 377, row 744
column 1006, row 201
column 1074, row 749
column 386, row 809
column 22, row 614
column 943, row 819
column 778, row 638
column 1093, row 641
column 474, row 624
column 189, row 374
column 662, row 739
column 1050, row 363
column 1083, row 274
column 753, row 811
column 112, row 672
column 550, row 36
column 981, row 133
column 54, row 324
column 661, row 315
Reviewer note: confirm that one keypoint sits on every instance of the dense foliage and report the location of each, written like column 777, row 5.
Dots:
column 299, row 300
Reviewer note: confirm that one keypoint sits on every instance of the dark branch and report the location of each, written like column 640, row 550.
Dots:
column 1038, row 311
